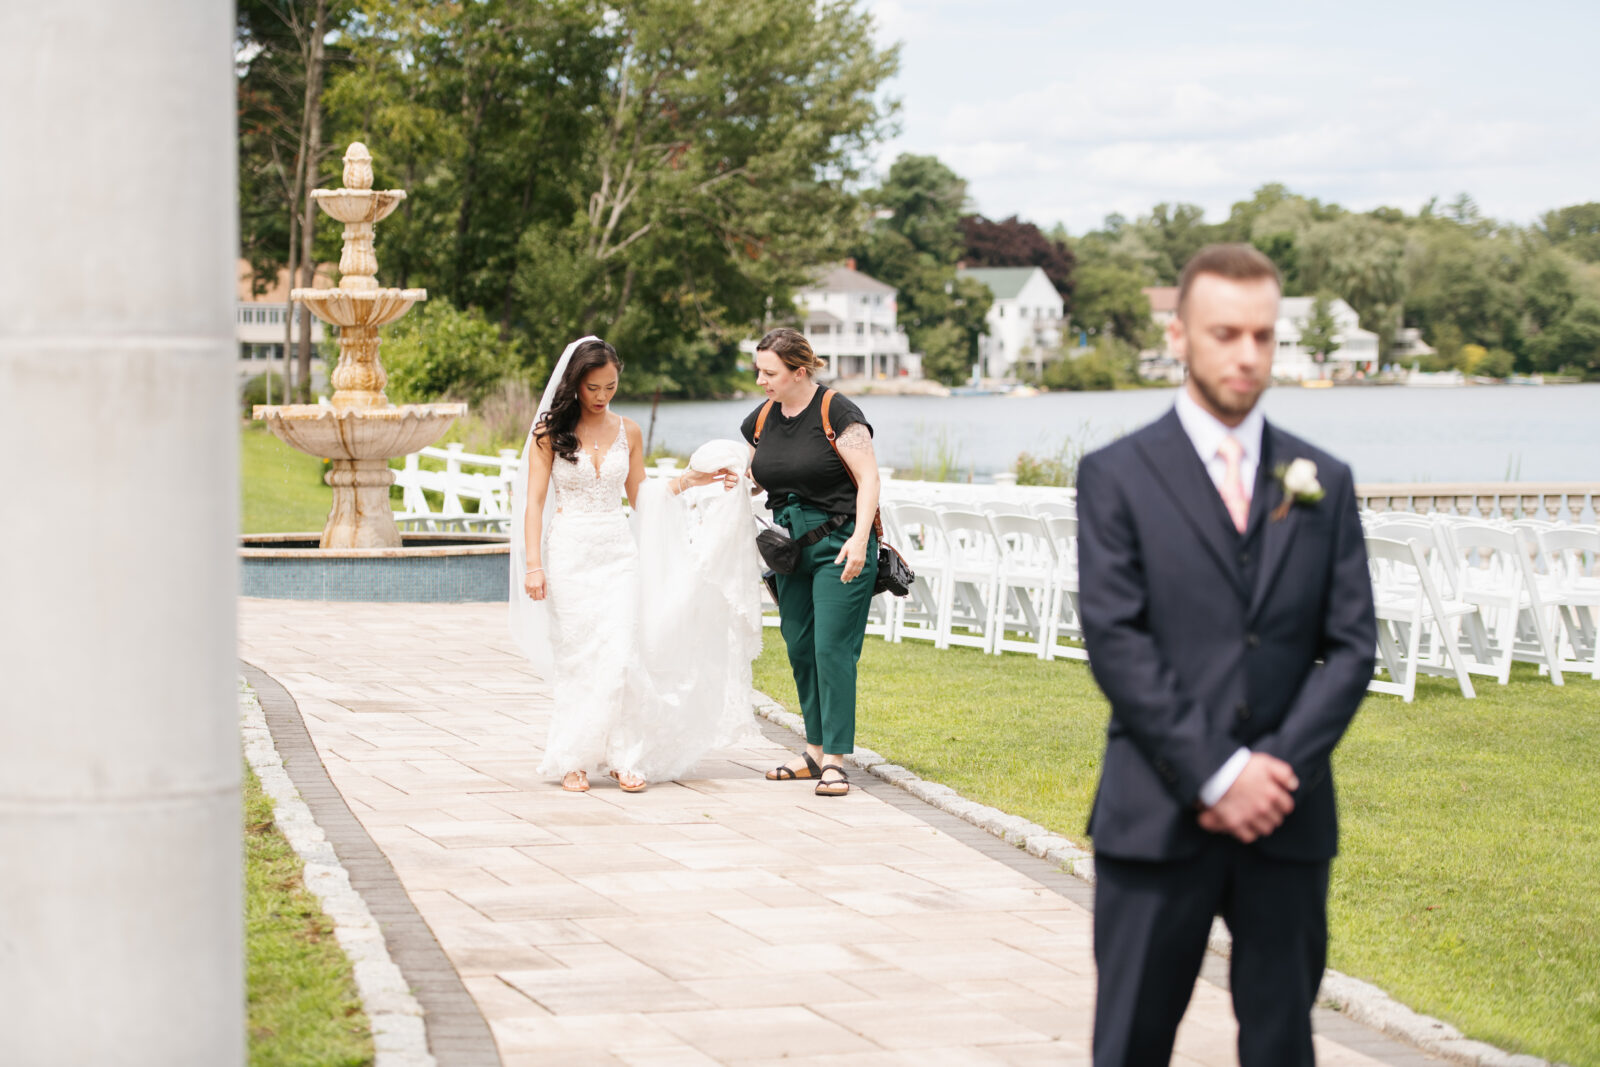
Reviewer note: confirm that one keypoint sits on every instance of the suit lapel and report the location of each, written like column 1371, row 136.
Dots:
column 1171, row 456
column 1276, row 535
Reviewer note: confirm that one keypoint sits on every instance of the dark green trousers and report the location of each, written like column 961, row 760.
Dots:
column 824, row 621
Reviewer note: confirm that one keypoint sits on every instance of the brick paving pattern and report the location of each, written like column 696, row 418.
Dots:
column 721, row 920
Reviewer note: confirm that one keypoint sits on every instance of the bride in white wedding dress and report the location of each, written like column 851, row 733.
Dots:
column 645, row 629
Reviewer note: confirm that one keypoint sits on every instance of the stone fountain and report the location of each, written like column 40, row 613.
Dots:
column 359, row 430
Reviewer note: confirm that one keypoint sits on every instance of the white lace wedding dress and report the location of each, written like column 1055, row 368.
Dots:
column 650, row 662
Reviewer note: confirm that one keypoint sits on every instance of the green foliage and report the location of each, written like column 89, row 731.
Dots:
column 1317, row 332
column 1111, row 363
column 1464, row 880
column 1059, row 468
column 1575, row 230
column 1573, row 341
column 1110, row 301
column 304, row 1010
column 257, row 390
column 661, row 174
column 915, row 248
column 436, row 352
column 935, row 459
column 946, row 354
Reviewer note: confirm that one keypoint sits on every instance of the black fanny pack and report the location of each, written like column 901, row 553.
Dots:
column 781, row 551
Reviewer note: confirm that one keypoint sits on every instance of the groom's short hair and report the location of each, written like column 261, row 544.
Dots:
column 1239, row 262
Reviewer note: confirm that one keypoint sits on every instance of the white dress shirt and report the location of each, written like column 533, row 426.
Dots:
column 1206, row 433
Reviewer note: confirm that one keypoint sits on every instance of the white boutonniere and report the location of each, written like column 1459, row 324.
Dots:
column 1300, row 485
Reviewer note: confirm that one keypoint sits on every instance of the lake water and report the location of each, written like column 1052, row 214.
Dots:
column 1388, row 434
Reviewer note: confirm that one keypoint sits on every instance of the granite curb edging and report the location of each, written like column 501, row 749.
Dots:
column 1361, row 1001
column 451, row 1022
column 399, row 1036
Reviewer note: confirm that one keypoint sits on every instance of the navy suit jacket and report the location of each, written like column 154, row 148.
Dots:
column 1204, row 639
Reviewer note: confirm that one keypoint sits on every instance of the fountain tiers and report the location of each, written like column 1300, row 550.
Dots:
column 359, row 430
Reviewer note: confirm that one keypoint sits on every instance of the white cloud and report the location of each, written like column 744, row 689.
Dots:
column 1120, row 111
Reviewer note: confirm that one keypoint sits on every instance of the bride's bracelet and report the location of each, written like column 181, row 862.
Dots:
column 534, row 570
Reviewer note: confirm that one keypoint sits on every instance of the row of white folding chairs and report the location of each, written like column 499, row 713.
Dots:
column 1560, row 576
column 1043, row 507
column 1000, row 582
column 1468, row 597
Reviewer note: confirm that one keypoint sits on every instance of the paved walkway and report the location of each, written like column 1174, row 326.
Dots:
column 723, row 920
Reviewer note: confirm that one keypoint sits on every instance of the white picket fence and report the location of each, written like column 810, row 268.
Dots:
column 467, row 476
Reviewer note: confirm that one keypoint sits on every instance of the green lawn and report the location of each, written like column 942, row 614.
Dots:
column 303, row 1007
column 1466, row 884
column 281, row 490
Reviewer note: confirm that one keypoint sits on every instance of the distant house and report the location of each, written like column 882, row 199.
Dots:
column 258, row 325
column 1025, row 321
column 1157, row 364
column 851, row 320
column 1409, row 345
column 1357, row 351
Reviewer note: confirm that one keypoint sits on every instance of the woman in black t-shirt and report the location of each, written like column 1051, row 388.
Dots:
column 823, row 604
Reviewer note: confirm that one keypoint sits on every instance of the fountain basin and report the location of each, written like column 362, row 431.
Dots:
column 432, row 568
column 358, row 432
column 358, row 205
column 345, row 308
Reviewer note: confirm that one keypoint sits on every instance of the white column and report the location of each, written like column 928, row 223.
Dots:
column 120, row 898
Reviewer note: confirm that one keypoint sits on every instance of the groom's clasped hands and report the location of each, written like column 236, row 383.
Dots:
column 1257, row 802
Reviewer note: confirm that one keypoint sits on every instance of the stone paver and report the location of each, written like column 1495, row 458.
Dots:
column 721, row 920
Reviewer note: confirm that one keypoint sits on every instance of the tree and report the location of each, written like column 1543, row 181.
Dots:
column 1362, row 260
column 1013, row 243
column 1111, row 301
column 1573, row 341
column 282, row 55
column 652, row 172
column 1317, row 332
column 913, row 244
column 1575, row 230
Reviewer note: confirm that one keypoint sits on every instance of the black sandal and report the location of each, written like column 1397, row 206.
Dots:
column 826, row 788
column 784, row 773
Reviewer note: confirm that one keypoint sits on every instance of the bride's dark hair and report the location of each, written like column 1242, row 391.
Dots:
column 560, row 423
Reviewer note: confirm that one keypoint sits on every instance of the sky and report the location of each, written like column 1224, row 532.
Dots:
column 1067, row 112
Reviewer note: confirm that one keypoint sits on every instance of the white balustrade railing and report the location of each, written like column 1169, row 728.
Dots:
column 1565, row 502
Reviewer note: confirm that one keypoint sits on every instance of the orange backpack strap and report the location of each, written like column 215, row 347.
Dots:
column 827, row 431
column 761, row 420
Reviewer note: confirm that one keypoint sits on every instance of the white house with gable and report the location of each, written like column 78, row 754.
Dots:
column 1025, row 320
column 850, row 318
column 1357, row 351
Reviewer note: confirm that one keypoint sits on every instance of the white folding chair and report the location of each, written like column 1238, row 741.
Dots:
column 1065, row 622
column 1573, row 556
column 1003, row 507
column 1494, row 573
column 1023, row 585
column 1064, row 508
column 921, row 541
column 970, row 579
column 1418, row 631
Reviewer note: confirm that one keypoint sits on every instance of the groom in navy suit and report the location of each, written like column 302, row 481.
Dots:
column 1228, row 615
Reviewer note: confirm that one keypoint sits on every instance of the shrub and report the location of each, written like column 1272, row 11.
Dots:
column 255, row 391
column 437, row 352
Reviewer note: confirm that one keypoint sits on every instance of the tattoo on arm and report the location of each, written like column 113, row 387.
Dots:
column 855, row 438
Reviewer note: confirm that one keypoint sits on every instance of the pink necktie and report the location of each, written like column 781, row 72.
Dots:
column 1234, row 497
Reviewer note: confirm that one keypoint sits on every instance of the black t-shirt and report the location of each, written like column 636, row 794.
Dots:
column 794, row 455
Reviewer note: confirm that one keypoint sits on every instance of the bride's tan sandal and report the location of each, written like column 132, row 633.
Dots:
column 575, row 782
column 785, row 773
column 630, row 784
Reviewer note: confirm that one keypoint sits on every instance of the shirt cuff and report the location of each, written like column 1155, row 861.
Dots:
column 1219, row 784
